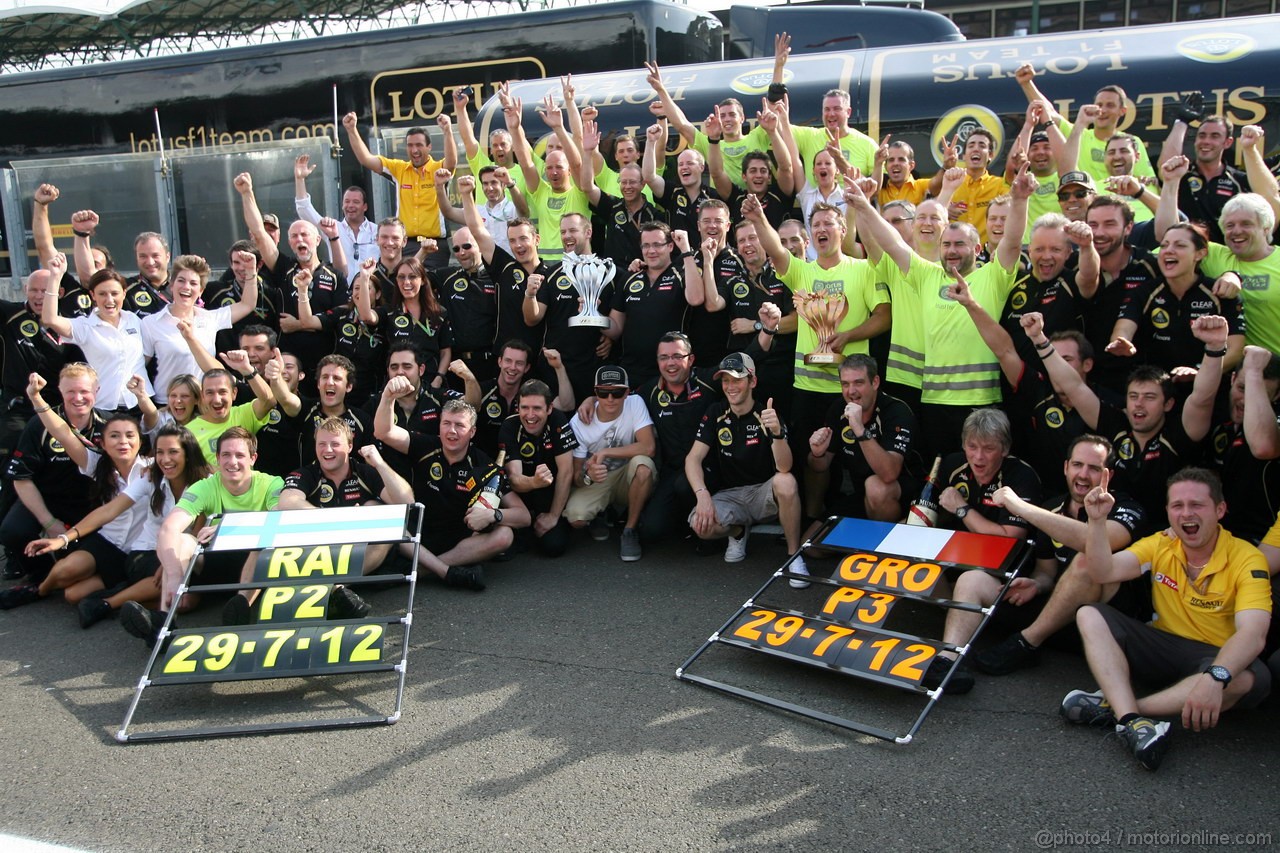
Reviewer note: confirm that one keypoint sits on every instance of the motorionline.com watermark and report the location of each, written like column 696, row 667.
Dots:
column 1048, row 839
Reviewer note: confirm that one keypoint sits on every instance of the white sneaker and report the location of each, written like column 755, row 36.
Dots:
column 736, row 550
column 798, row 568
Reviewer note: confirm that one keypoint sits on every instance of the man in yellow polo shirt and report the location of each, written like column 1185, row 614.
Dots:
column 1212, row 598
column 415, row 180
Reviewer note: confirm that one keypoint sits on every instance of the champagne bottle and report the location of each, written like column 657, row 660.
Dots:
column 924, row 512
column 491, row 492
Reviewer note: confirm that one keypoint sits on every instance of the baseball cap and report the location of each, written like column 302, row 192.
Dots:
column 271, row 219
column 1077, row 177
column 612, row 376
column 1039, row 136
column 739, row 365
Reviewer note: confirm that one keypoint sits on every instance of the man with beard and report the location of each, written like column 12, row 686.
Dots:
column 950, row 340
column 302, row 273
column 1034, row 603
column 418, row 206
column 539, row 443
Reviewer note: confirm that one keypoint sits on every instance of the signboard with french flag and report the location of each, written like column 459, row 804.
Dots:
column 949, row 548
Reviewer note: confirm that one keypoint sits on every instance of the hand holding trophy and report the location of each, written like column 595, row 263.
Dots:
column 823, row 312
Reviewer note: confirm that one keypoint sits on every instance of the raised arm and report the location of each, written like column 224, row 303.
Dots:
column 1197, row 411
column 150, row 414
column 1085, row 118
column 384, row 427
column 1100, row 564
column 395, row 490
column 520, row 147
column 670, row 109
column 1088, row 269
column 264, row 401
column 267, row 248
column 769, row 239
column 41, row 231
column 1171, row 172
column 450, row 143
column 84, row 224
column 715, row 159
column 248, row 291
column 1025, row 74
column 484, row 240
column 564, row 400
column 361, row 151
column 451, row 213
column 993, row 334
column 1010, row 246
column 585, row 177
column 1260, row 430
column 1261, row 179
column 302, row 169
column 273, row 372
column 774, row 119
column 655, row 136
column 54, row 424
column 49, row 317
column 470, row 145
column 1064, row 376
column 471, row 388
column 874, row 226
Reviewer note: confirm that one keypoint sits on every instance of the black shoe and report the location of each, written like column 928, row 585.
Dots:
column 345, row 604
column 1190, row 109
column 12, row 571
column 1146, row 739
column 16, row 596
column 465, row 577
column 92, row 610
column 142, row 623
column 961, row 680
column 237, row 611
column 1010, row 655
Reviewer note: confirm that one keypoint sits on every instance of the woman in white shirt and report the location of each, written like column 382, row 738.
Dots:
column 161, row 339
column 110, row 337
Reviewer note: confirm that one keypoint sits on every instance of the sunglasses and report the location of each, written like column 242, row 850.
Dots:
column 1077, row 194
column 462, row 247
column 611, row 393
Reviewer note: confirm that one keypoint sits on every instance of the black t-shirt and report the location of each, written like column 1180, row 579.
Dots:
column 1058, row 300
column 143, row 298
column 1126, row 512
column 429, row 336
column 311, row 416
column 510, row 279
column 328, row 291
column 278, row 441
column 777, row 204
column 741, row 451
column 1164, row 321
column 267, row 312
column 556, row 439
column 576, row 344
column 709, row 330
column 41, row 459
column 492, row 414
column 1202, row 199
column 364, row 345
column 892, row 426
column 446, row 489
column 471, row 298
column 1144, row 472
column 362, row 484
column 1053, row 426
column 676, row 416
column 27, row 348
column 621, row 237
column 653, row 308
column 1251, row 485
column 682, row 210
column 1014, row 473
column 1100, row 313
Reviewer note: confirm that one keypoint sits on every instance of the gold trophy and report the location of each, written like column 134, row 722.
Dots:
column 823, row 312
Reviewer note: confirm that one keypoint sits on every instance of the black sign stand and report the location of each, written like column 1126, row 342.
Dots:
column 290, row 647
column 857, row 645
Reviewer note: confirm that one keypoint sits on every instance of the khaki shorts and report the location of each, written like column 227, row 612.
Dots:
column 586, row 502
column 744, row 505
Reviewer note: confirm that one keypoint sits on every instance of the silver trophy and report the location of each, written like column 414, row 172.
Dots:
column 589, row 275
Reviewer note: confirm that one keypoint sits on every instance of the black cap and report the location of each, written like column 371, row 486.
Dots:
column 737, row 364
column 612, row 376
column 1084, row 179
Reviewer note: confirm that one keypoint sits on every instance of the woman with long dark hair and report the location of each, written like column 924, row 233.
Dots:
column 416, row 316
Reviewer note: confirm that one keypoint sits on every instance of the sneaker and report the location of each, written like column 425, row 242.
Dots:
column 736, row 549
column 599, row 528
column 1087, row 709
column 798, row 567
column 141, row 622
column 629, row 549
column 465, row 577
column 16, row 596
column 237, row 611
column 93, row 610
column 1146, row 739
column 345, row 604
column 1011, row 655
column 961, row 680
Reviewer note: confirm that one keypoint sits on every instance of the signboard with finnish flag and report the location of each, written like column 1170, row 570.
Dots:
column 303, row 559
column 841, row 623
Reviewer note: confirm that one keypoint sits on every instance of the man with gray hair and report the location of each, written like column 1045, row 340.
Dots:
column 973, row 475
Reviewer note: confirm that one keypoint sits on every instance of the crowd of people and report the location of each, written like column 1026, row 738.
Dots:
column 1077, row 350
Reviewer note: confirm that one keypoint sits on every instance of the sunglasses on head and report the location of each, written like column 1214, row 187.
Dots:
column 611, row 393
column 1063, row 196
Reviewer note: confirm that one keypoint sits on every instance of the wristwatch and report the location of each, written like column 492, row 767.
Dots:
column 961, row 511
column 759, row 327
column 497, row 516
column 1220, row 674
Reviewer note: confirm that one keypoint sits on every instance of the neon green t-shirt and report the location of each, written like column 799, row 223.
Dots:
column 1259, row 292
column 858, row 281
column 906, row 338
column 546, row 208
column 733, row 152
column 1093, row 156
column 207, row 433
column 210, row 498
column 859, row 149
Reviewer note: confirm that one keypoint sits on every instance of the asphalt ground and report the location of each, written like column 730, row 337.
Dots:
column 543, row 714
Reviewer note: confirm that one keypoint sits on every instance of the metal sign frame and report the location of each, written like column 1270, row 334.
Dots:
column 842, row 642
column 343, row 635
